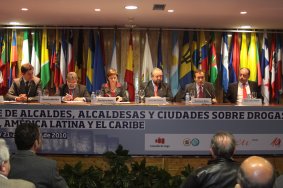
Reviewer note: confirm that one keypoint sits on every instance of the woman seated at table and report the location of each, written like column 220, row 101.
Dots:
column 113, row 88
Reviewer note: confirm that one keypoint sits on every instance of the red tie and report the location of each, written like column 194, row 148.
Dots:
column 155, row 91
column 244, row 91
column 200, row 94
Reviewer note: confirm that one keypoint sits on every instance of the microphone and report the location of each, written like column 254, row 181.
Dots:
column 29, row 87
column 208, row 93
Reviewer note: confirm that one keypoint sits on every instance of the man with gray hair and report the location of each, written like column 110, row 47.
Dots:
column 221, row 172
column 5, row 169
column 255, row 172
column 72, row 91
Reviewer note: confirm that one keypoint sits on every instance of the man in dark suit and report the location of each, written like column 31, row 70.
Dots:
column 5, row 169
column 242, row 89
column 25, row 164
column 26, row 88
column 72, row 90
column 199, row 89
column 156, row 87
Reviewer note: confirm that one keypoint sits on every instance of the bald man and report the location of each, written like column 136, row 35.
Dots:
column 255, row 172
column 221, row 172
column 156, row 87
column 72, row 90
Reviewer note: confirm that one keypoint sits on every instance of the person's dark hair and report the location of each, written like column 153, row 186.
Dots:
column 198, row 71
column 246, row 183
column 25, row 135
column 223, row 144
column 26, row 67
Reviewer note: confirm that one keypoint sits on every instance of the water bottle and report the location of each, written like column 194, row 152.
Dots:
column 92, row 98
column 187, row 98
column 137, row 98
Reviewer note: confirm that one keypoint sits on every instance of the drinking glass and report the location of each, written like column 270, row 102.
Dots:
column 142, row 94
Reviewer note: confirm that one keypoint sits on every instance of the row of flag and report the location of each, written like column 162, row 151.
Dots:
column 52, row 61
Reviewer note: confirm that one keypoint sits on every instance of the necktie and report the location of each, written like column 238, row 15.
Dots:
column 244, row 91
column 200, row 94
column 155, row 91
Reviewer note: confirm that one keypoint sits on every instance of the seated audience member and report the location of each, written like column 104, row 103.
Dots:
column 72, row 91
column 221, row 172
column 242, row 89
column 200, row 88
column 5, row 169
column 279, row 182
column 255, row 172
column 113, row 88
column 156, row 87
column 26, row 88
column 25, row 164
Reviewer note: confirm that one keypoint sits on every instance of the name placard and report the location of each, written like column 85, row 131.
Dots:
column 201, row 101
column 252, row 102
column 1, row 98
column 155, row 100
column 105, row 100
column 50, row 99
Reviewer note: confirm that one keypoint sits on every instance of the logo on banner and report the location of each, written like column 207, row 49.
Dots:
column 191, row 142
column 160, row 140
column 242, row 142
column 276, row 142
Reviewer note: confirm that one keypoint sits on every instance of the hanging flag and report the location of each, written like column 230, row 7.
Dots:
column 13, row 57
column 175, row 62
column 213, row 61
column 203, row 63
column 252, row 59
column 80, row 67
column 55, row 67
column 4, row 61
column 114, row 54
column 259, row 75
column 278, row 69
column 224, row 62
column 45, row 66
column 90, row 63
column 265, row 69
column 272, row 60
column 234, row 59
column 159, row 53
column 147, row 64
column 195, row 52
column 35, row 53
column 129, row 70
column 63, row 52
column 99, row 71
column 25, row 48
column 70, row 59
column 244, row 52
column 186, row 75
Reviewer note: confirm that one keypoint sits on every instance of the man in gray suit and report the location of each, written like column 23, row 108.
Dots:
column 5, row 169
column 26, row 88
column 199, row 89
column 25, row 164
column 72, row 90
column 156, row 87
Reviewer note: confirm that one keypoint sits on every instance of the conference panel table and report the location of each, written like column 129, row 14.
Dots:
column 172, row 129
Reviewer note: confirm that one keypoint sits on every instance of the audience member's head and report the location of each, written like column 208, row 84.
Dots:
column 199, row 77
column 27, row 137
column 255, row 172
column 72, row 80
column 27, row 71
column 244, row 75
column 156, row 76
column 223, row 145
column 4, row 158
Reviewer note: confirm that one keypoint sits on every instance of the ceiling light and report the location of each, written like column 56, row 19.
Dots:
column 243, row 12
column 14, row 23
column 24, row 9
column 170, row 10
column 131, row 7
column 97, row 10
column 245, row 27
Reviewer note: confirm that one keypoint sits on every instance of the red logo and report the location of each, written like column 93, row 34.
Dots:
column 242, row 142
column 160, row 140
column 276, row 142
